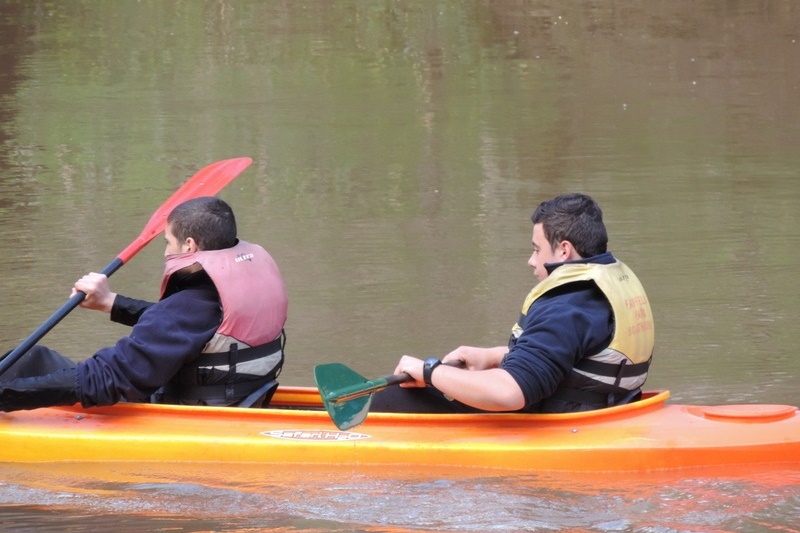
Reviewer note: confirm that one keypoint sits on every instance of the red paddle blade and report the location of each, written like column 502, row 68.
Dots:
column 207, row 182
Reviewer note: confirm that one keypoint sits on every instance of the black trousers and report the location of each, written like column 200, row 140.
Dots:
column 38, row 361
column 416, row 400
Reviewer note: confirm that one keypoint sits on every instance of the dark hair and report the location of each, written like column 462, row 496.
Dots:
column 575, row 218
column 207, row 220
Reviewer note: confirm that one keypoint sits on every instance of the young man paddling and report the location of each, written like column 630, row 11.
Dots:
column 584, row 339
column 214, row 338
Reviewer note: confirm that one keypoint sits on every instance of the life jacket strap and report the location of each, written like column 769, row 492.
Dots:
column 236, row 387
column 242, row 356
column 615, row 370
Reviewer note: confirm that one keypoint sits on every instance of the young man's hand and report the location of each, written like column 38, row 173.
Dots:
column 98, row 293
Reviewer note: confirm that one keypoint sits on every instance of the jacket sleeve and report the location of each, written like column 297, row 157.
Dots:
column 558, row 331
column 168, row 335
column 127, row 311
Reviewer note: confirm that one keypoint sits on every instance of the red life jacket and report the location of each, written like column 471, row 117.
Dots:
column 245, row 355
column 250, row 286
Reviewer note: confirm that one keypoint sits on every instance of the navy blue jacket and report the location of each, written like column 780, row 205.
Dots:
column 561, row 327
column 166, row 335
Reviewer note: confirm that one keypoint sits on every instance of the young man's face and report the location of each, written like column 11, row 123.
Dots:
column 543, row 253
column 173, row 246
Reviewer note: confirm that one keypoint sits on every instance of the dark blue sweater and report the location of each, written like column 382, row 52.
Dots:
column 165, row 336
column 560, row 328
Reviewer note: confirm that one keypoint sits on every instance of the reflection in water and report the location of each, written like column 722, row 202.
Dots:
column 399, row 149
column 231, row 498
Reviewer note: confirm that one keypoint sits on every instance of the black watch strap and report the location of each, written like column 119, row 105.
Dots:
column 427, row 369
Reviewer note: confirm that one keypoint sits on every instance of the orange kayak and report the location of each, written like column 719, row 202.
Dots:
column 648, row 435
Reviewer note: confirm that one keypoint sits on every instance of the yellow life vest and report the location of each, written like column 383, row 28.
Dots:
column 634, row 334
column 623, row 365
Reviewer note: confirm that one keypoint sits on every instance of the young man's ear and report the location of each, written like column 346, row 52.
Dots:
column 566, row 251
column 190, row 245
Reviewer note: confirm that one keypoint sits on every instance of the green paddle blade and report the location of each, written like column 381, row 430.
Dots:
column 332, row 379
column 347, row 394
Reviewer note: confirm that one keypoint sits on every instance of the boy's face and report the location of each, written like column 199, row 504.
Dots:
column 173, row 246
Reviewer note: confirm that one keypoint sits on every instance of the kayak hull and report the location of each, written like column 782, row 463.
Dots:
column 646, row 436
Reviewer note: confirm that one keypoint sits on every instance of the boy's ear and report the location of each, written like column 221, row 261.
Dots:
column 191, row 245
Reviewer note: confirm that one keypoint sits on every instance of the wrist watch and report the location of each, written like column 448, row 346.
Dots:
column 427, row 369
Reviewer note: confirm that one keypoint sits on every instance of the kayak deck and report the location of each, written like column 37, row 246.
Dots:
column 647, row 435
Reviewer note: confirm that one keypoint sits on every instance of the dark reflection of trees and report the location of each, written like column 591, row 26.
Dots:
column 14, row 33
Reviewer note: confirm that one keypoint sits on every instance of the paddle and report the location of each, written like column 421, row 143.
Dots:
column 347, row 395
column 207, row 182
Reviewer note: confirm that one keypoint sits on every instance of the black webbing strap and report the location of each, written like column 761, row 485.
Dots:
column 230, row 381
column 235, row 386
column 609, row 370
column 242, row 356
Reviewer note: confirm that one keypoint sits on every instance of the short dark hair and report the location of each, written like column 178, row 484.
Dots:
column 208, row 220
column 576, row 218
